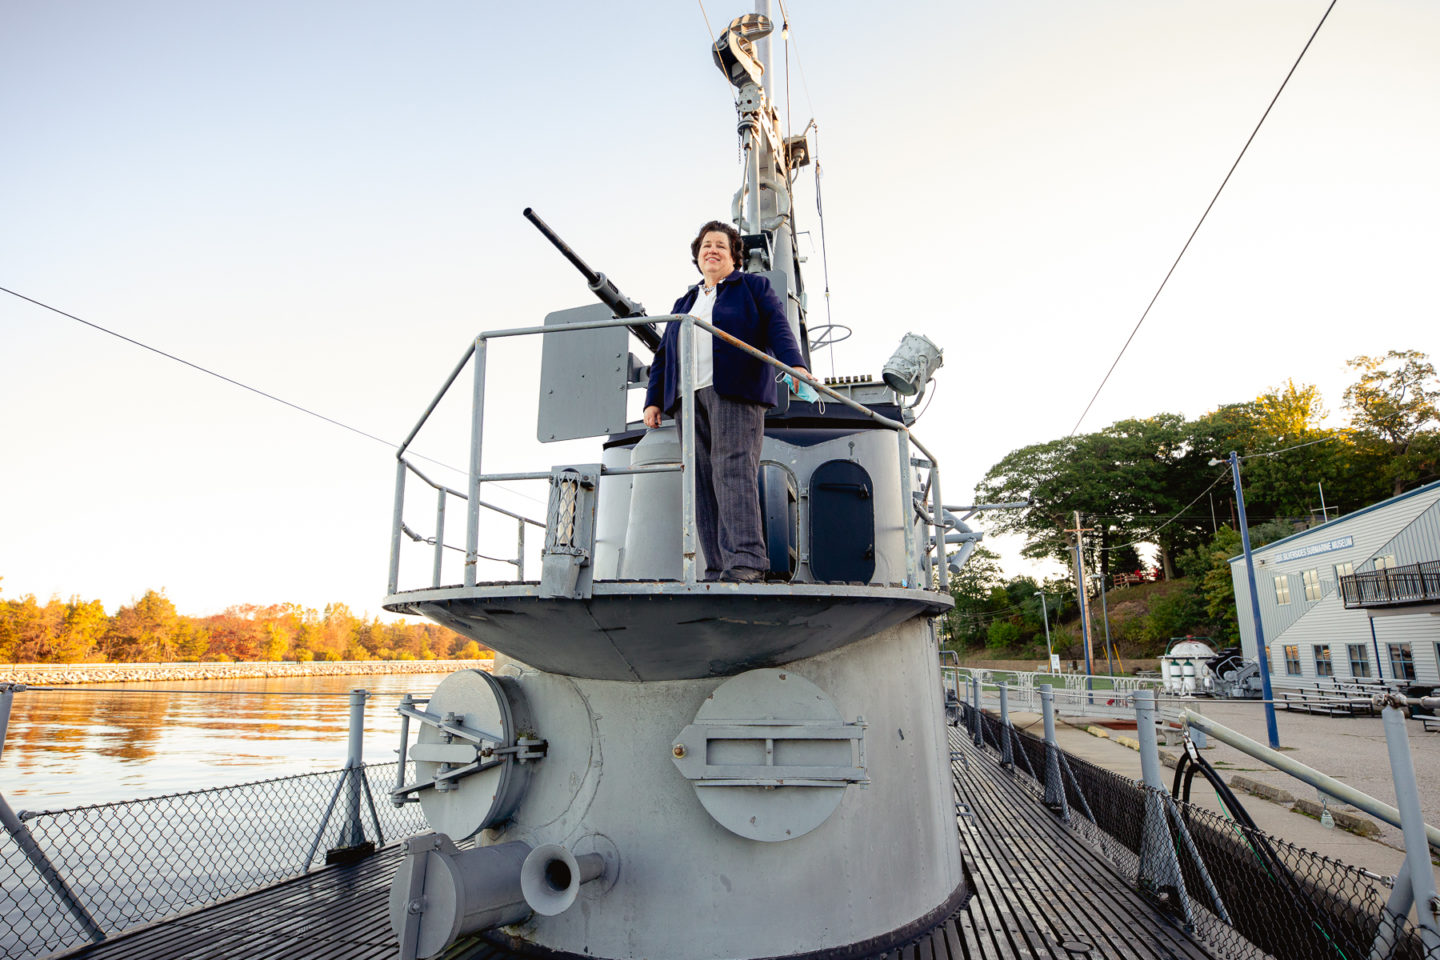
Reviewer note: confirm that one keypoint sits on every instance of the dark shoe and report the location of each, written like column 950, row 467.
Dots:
column 742, row 575
column 710, row 576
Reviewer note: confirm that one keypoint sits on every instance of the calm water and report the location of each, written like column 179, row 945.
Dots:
column 65, row 748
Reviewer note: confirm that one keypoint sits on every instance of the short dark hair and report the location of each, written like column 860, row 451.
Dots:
column 737, row 248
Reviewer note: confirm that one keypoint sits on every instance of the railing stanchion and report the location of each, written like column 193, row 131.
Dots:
column 520, row 550
column 354, row 833
column 978, row 730
column 907, row 509
column 26, row 842
column 1054, row 788
column 938, row 516
column 396, row 525
column 1007, row 749
column 439, row 537
column 477, row 433
column 406, row 701
column 1159, row 862
column 687, row 451
column 1412, row 825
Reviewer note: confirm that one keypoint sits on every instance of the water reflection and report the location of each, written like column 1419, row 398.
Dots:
column 82, row 746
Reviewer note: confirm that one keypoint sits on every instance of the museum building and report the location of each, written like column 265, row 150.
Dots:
column 1355, row 598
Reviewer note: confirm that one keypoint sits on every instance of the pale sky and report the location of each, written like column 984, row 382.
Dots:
column 322, row 200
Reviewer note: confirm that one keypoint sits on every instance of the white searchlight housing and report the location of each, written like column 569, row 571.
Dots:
column 910, row 367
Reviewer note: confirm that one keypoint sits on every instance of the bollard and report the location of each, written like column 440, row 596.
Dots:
column 1007, row 749
column 1412, row 824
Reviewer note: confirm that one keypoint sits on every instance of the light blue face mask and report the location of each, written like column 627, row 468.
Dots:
column 800, row 388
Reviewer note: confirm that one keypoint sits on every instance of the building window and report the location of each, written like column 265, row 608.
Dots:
column 1385, row 563
column 1323, row 666
column 1312, row 584
column 1402, row 662
column 1344, row 570
column 1282, row 589
column 1359, row 660
column 1292, row 660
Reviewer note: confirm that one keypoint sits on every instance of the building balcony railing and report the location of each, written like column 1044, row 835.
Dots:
column 1395, row 586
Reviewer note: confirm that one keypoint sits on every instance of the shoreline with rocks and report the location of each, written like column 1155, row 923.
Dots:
column 58, row 674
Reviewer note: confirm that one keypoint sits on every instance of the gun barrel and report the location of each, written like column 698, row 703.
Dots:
column 590, row 275
column 600, row 285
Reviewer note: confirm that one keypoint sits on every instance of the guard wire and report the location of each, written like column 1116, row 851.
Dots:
column 245, row 386
column 1201, row 221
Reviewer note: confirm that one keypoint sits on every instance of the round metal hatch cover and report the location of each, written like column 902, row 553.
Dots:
column 757, row 731
column 479, row 703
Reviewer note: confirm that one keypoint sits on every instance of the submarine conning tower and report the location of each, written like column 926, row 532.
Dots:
column 661, row 766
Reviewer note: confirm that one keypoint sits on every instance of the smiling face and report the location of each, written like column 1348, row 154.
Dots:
column 715, row 259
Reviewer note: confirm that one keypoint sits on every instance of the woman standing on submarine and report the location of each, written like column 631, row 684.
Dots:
column 732, row 392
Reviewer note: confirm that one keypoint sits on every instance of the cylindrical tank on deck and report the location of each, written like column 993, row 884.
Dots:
column 652, row 548
column 612, row 514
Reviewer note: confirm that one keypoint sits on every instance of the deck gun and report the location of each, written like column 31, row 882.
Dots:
column 601, row 286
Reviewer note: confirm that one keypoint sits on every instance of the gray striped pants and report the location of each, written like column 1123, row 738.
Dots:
column 728, row 435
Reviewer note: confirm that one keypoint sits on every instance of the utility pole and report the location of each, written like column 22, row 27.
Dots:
column 1262, row 655
column 1080, row 532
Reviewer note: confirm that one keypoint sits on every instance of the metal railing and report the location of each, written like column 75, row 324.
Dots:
column 1241, row 892
column 933, row 515
column 1414, row 583
column 1075, row 693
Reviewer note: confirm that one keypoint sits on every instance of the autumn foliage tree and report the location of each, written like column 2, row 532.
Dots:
column 150, row 629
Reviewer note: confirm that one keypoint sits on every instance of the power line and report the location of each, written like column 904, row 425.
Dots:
column 1151, row 533
column 244, row 386
column 1201, row 222
column 1271, row 453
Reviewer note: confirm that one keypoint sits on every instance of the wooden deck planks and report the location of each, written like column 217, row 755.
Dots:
column 1035, row 886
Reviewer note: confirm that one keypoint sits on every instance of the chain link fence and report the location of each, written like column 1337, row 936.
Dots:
column 1243, row 893
column 116, row 865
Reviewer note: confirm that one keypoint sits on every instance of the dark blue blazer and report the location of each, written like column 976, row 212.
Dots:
column 748, row 308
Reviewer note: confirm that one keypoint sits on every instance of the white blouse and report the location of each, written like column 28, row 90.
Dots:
column 704, row 364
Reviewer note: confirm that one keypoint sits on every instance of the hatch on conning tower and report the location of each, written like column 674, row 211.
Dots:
column 474, row 752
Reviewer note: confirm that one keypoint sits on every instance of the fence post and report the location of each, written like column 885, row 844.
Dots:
column 1007, row 749
column 1054, row 787
column 1159, row 863
column 1412, row 824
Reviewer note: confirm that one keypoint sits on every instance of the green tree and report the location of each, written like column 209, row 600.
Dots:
column 1002, row 634
column 144, row 630
column 1125, row 480
column 1393, row 407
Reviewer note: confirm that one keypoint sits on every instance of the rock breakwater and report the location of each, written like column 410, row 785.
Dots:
column 52, row 674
